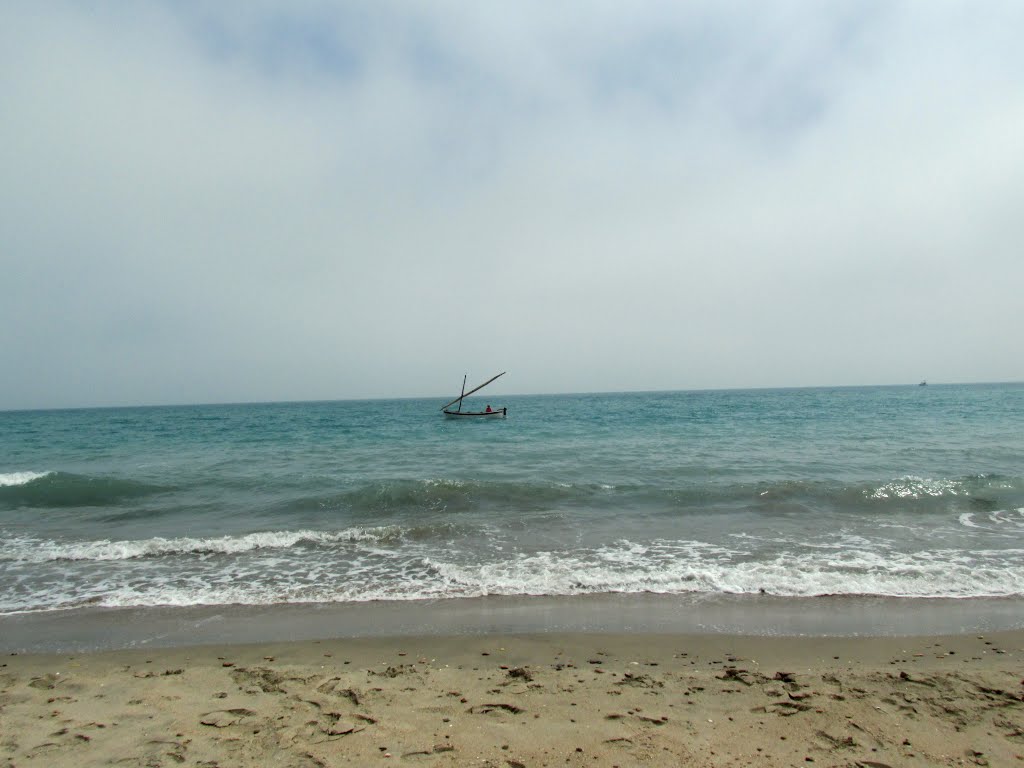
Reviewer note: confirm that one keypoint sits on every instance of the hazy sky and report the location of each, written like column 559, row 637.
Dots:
column 233, row 201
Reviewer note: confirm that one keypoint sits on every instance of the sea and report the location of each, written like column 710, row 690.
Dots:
column 838, row 509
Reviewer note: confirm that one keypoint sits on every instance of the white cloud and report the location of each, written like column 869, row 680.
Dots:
column 249, row 201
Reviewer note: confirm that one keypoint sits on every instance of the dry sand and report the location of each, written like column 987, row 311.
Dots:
column 540, row 700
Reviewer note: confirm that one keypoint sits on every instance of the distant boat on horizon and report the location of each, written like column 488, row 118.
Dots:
column 923, row 384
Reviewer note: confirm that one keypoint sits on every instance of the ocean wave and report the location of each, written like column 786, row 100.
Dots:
column 900, row 489
column 11, row 479
column 64, row 489
column 912, row 487
column 450, row 495
column 453, row 495
column 30, row 550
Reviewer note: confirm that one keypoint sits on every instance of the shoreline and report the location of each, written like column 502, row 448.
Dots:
column 507, row 700
column 105, row 629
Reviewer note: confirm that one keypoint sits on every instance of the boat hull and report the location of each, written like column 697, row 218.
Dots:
column 498, row 414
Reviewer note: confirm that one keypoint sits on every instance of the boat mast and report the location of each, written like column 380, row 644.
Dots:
column 467, row 394
column 464, row 376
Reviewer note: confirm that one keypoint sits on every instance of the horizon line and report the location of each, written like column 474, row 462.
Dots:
column 513, row 394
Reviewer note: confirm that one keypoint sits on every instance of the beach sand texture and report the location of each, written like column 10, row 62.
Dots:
column 539, row 700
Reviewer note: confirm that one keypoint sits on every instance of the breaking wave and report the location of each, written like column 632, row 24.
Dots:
column 12, row 479
column 360, row 565
column 28, row 550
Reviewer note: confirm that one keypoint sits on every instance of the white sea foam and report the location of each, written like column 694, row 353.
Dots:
column 691, row 567
column 29, row 550
column 1014, row 517
column 20, row 478
column 1001, row 522
column 410, row 570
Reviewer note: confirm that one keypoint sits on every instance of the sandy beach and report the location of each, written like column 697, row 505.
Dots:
column 505, row 701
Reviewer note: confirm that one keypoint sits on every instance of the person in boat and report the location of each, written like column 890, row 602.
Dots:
column 488, row 408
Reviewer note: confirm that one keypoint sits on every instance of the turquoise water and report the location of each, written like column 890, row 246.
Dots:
column 890, row 491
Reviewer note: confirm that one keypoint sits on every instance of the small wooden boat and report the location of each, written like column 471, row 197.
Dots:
column 490, row 413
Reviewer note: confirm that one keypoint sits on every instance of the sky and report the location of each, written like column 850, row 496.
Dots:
column 252, row 201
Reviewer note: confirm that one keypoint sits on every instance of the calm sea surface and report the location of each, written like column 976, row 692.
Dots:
column 887, row 491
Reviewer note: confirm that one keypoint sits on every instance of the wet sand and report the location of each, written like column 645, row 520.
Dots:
column 506, row 700
column 108, row 629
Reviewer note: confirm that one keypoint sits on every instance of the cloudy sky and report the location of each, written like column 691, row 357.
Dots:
column 235, row 201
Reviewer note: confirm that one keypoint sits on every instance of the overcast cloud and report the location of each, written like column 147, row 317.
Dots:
column 205, row 202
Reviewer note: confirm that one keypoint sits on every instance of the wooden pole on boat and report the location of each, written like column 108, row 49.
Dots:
column 464, row 377
column 467, row 394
